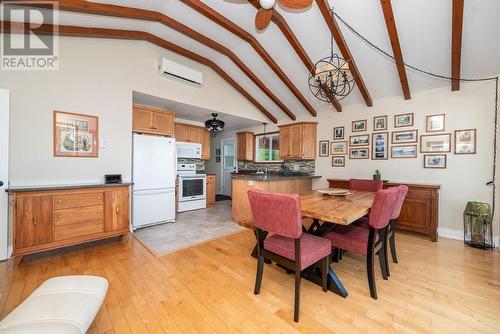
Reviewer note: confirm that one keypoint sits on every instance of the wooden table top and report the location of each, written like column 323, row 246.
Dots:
column 342, row 210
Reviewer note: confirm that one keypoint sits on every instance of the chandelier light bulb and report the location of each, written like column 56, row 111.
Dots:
column 267, row 4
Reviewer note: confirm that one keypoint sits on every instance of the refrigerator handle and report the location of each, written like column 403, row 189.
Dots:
column 153, row 192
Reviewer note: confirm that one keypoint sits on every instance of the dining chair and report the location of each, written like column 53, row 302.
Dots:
column 288, row 246
column 372, row 241
column 366, row 185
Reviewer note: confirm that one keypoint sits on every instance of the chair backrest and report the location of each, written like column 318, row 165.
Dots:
column 403, row 190
column 366, row 185
column 382, row 208
column 276, row 213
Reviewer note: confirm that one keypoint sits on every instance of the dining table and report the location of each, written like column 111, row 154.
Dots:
column 327, row 211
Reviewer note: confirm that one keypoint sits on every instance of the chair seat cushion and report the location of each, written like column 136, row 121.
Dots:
column 355, row 239
column 312, row 248
column 66, row 304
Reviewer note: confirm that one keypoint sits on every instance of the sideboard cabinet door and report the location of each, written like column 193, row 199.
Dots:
column 34, row 223
column 117, row 209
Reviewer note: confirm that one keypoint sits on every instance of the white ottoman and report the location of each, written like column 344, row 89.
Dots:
column 66, row 304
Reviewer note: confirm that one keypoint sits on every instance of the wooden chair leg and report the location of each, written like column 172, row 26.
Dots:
column 392, row 241
column 371, row 273
column 336, row 254
column 296, row 309
column 324, row 273
column 382, row 258
column 260, row 271
column 341, row 253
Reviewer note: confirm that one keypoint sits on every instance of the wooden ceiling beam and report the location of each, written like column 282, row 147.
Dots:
column 456, row 42
column 221, row 20
column 396, row 47
column 280, row 21
column 79, row 6
column 324, row 8
column 78, row 31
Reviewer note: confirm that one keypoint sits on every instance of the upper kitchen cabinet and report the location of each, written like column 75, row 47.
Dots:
column 153, row 121
column 298, row 141
column 245, row 142
column 194, row 134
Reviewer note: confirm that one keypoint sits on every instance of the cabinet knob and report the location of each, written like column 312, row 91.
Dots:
column 98, row 197
column 59, row 201
column 98, row 211
column 33, row 220
column 59, row 216
column 116, row 209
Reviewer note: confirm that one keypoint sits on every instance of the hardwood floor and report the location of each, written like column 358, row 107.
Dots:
column 440, row 287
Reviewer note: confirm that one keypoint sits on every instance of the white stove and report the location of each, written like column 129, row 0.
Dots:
column 192, row 188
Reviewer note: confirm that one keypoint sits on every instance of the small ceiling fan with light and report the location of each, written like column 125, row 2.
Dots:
column 267, row 6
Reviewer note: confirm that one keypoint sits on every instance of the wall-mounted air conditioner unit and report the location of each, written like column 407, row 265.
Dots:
column 170, row 68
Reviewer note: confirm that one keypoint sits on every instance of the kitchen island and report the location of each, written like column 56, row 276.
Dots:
column 278, row 183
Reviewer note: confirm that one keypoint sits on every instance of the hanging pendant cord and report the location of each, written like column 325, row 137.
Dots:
column 439, row 76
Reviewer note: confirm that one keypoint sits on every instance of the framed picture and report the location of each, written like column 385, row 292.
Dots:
column 465, row 141
column 338, row 147
column 435, row 143
column 359, row 126
column 405, row 136
column 338, row 161
column 217, row 158
column 403, row 120
column 406, row 151
column 359, row 140
column 75, row 135
column 380, row 146
column 217, row 151
column 379, row 123
column 435, row 161
column 434, row 123
column 323, row 148
column 359, row 153
column 338, row 133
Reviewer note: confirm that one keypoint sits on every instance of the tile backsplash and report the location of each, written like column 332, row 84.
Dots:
column 200, row 164
column 303, row 166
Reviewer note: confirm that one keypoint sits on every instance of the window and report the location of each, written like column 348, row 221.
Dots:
column 267, row 147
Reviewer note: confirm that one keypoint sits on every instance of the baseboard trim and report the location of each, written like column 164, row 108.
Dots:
column 451, row 233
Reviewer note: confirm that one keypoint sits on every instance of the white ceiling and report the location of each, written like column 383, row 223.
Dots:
column 424, row 28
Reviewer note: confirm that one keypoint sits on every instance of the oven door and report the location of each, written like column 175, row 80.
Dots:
column 192, row 188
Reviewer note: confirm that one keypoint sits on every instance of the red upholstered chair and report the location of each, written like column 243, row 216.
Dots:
column 370, row 241
column 366, row 185
column 289, row 246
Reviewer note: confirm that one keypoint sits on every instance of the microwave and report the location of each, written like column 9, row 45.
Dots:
column 188, row 150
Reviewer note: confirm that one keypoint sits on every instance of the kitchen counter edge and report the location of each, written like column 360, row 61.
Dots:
column 15, row 189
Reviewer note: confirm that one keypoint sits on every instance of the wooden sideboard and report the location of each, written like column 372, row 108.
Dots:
column 51, row 218
column 420, row 208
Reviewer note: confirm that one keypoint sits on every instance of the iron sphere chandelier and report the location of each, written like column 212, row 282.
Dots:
column 214, row 125
column 332, row 78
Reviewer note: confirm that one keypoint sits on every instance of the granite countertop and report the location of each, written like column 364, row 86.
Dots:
column 14, row 189
column 271, row 177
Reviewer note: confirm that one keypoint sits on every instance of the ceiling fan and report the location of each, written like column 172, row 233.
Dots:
column 266, row 10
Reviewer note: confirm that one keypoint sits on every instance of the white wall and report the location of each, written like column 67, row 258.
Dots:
column 97, row 77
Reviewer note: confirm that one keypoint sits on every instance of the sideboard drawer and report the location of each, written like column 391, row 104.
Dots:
column 75, row 215
column 78, row 200
column 79, row 229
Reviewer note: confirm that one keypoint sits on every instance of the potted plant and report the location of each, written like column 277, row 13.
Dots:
column 377, row 175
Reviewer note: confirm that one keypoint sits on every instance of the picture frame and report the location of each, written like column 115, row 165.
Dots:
column 435, row 123
column 217, row 151
column 323, row 148
column 403, row 120
column 75, row 135
column 465, row 141
column 338, row 133
column 338, row 161
column 217, row 158
column 380, row 123
column 359, row 125
column 380, row 146
column 404, row 137
column 359, row 140
column 404, row 152
column 359, row 153
column 435, row 161
column 435, row 143
column 338, row 147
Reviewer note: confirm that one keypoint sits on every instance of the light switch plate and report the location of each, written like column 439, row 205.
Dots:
column 103, row 143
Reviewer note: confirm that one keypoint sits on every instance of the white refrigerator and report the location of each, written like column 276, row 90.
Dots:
column 154, row 170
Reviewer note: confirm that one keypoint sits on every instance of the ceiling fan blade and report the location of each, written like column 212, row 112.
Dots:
column 295, row 4
column 263, row 18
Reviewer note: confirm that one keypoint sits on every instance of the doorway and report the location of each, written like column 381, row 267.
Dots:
column 229, row 164
column 4, row 174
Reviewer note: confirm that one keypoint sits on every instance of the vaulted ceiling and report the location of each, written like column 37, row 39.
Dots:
column 424, row 30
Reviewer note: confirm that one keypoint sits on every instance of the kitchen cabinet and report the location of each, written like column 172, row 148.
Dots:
column 205, row 145
column 194, row 134
column 298, row 141
column 210, row 189
column 245, row 141
column 48, row 219
column 153, row 121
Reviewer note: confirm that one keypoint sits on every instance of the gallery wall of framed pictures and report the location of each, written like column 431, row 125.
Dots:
column 403, row 142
